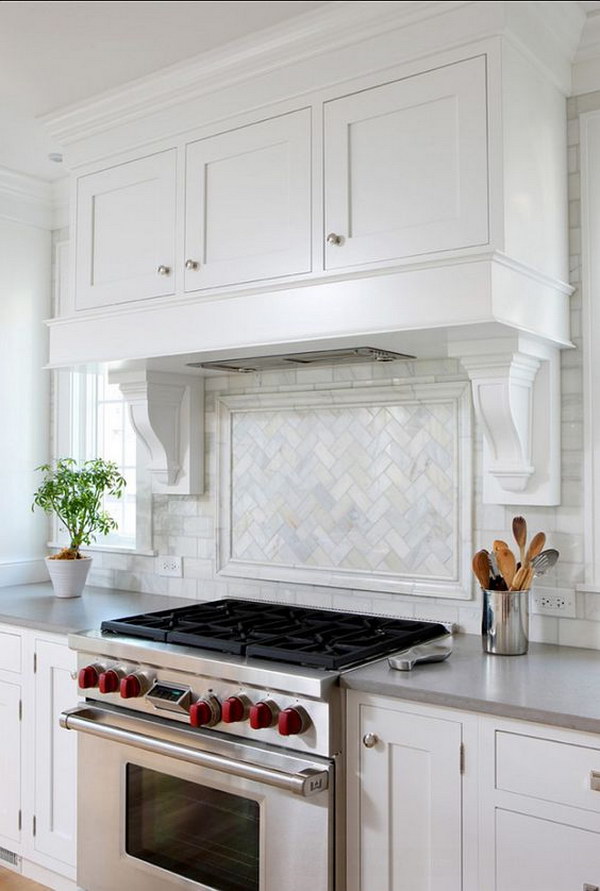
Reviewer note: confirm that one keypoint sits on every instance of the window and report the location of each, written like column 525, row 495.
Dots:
column 92, row 420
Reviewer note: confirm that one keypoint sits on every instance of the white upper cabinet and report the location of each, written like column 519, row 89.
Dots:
column 406, row 167
column 126, row 232
column 248, row 203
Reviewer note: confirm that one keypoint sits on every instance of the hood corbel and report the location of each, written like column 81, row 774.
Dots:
column 167, row 414
column 516, row 396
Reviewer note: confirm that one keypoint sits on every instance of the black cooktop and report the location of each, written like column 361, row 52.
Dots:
column 315, row 638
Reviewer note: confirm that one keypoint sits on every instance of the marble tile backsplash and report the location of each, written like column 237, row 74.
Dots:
column 186, row 525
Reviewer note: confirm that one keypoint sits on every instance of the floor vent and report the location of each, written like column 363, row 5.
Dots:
column 7, row 856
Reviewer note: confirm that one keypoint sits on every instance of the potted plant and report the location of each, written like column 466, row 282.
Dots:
column 75, row 495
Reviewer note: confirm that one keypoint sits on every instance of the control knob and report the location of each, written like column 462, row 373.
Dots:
column 263, row 714
column 235, row 709
column 88, row 676
column 205, row 712
column 109, row 680
column 134, row 685
column 292, row 721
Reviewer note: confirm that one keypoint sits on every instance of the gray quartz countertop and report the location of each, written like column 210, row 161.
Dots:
column 35, row 606
column 550, row 685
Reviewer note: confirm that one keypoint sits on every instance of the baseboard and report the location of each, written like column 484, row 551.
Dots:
column 47, row 877
column 22, row 572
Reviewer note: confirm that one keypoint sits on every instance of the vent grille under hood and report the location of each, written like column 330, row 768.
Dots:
column 298, row 360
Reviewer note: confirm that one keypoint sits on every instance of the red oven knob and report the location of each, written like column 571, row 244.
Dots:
column 130, row 687
column 235, row 709
column 205, row 712
column 263, row 714
column 88, row 676
column 108, row 682
column 292, row 721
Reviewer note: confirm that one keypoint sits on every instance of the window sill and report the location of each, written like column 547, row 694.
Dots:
column 109, row 549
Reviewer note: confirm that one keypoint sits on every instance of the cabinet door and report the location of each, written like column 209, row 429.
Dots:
column 55, row 753
column 533, row 854
column 10, row 761
column 126, row 232
column 405, row 808
column 406, row 167
column 248, row 200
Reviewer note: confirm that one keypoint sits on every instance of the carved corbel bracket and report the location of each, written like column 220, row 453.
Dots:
column 167, row 414
column 516, row 396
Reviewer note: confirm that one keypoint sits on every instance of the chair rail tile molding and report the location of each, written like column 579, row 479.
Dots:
column 366, row 488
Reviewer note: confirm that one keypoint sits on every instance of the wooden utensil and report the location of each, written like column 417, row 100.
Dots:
column 507, row 564
column 518, row 583
column 499, row 545
column 519, row 527
column 535, row 546
column 481, row 568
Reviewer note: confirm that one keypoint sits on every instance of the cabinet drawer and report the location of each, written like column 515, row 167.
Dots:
column 548, row 770
column 10, row 652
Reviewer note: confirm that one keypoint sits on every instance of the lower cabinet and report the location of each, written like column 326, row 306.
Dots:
column 404, row 797
column 38, row 759
column 458, row 801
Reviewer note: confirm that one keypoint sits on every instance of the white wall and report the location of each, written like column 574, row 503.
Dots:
column 25, row 284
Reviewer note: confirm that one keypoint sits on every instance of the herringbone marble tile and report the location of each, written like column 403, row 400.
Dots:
column 353, row 488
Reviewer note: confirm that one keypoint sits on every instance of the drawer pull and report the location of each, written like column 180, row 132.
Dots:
column 595, row 787
column 587, row 887
column 370, row 740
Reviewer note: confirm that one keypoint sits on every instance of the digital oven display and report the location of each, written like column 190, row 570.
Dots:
column 169, row 697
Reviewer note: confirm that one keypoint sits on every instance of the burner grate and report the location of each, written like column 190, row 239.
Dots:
column 298, row 635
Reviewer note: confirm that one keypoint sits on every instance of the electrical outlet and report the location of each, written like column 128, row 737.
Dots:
column 558, row 602
column 170, row 566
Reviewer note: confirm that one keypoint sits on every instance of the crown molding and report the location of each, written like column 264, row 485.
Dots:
column 32, row 201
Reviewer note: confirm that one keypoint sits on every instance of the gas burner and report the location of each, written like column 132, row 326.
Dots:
column 314, row 638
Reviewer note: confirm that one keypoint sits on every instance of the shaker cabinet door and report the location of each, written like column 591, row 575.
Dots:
column 248, row 203
column 126, row 232
column 533, row 854
column 10, row 762
column 406, row 167
column 405, row 800
column 55, row 753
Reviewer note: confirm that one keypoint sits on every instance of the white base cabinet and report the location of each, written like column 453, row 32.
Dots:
column 404, row 796
column 38, row 760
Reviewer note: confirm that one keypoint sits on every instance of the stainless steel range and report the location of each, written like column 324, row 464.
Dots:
column 211, row 740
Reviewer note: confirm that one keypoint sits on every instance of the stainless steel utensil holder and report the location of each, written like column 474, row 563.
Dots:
column 505, row 622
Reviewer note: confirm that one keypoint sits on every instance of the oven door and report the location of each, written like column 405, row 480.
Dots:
column 161, row 806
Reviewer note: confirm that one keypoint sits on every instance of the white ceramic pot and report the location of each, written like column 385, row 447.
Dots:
column 68, row 577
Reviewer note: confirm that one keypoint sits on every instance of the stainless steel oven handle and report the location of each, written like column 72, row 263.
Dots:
column 305, row 783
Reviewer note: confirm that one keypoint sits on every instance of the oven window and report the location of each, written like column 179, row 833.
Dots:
column 202, row 834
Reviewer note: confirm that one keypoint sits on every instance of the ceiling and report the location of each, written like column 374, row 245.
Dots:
column 53, row 54
column 56, row 53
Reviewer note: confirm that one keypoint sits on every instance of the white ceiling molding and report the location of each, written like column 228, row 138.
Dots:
column 34, row 202
column 586, row 68
column 556, row 26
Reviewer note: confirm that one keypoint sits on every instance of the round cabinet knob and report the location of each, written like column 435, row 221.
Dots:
column 108, row 681
column 191, row 264
column 370, row 740
column 292, row 721
column 88, row 676
column 205, row 712
column 335, row 240
column 163, row 270
column 262, row 715
column 235, row 709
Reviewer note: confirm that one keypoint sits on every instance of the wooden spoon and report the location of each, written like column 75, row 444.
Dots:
column 507, row 564
column 499, row 545
column 519, row 579
column 519, row 527
column 481, row 568
column 535, row 546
